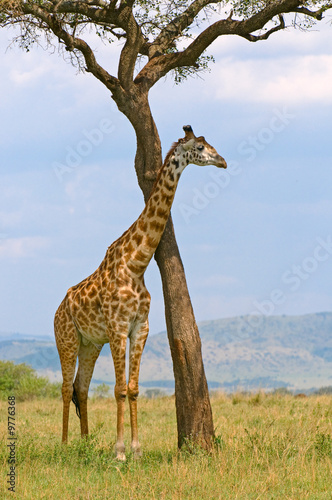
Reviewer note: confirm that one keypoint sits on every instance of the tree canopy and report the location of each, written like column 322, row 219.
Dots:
column 156, row 36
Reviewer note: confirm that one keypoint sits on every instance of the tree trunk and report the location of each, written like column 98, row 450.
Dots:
column 193, row 409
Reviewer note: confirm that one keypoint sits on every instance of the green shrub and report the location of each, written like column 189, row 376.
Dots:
column 324, row 390
column 323, row 445
column 154, row 393
column 102, row 391
column 23, row 382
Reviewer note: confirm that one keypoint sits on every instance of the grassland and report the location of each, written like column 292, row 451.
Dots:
column 267, row 447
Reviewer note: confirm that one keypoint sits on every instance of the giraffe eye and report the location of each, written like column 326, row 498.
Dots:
column 200, row 148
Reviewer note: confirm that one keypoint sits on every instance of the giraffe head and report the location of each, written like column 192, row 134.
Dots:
column 198, row 151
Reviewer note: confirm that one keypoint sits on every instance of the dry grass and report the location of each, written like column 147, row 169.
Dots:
column 267, row 447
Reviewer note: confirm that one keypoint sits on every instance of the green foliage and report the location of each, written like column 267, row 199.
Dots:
column 22, row 382
column 101, row 391
column 246, row 8
column 154, row 16
column 282, row 391
column 171, row 25
column 323, row 445
column 154, row 393
column 201, row 66
column 324, row 390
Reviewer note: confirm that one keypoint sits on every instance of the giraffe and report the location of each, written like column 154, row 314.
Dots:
column 112, row 304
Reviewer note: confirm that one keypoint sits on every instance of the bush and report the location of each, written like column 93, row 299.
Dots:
column 154, row 393
column 282, row 391
column 324, row 390
column 101, row 391
column 23, row 382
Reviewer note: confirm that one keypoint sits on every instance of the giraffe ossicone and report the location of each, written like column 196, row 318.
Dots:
column 112, row 304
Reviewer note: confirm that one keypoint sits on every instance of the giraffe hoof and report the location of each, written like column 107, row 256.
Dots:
column 120, row 453
column 121, row 456
column 137, row 452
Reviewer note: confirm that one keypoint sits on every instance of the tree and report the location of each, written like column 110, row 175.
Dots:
column 158, row 37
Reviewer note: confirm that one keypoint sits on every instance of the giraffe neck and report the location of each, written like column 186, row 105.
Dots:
column 145, row 234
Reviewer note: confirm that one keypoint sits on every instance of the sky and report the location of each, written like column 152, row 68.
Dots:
column 254, row 239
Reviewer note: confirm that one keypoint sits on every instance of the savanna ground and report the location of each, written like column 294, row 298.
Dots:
column 267, row 447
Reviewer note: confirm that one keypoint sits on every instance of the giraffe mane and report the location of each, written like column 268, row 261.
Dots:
column 169, row 154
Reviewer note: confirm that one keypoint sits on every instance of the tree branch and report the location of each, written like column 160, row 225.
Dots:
column 176, row 27
column 71, row 42
column 131, row 49
column 317, row 14
column 243, row 28
column 59, row 18
column 265, row 36
column 103, row 14
column 161, row 64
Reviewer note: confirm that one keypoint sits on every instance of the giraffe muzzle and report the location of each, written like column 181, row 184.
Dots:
column 221, row 162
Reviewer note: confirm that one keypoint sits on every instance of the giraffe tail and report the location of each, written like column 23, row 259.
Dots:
column 76, row 403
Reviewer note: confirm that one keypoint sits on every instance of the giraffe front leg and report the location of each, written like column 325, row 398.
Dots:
column 137, row 343
column 118, row 348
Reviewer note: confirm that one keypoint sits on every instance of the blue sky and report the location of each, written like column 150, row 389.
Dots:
column 254, row 239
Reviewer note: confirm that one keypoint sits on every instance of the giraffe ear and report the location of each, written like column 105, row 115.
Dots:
column 189, row 144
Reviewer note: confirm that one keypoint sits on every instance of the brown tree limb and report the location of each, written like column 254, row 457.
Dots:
column 243, row 28
column 71, row 42
column 265, row 36
column 160, row 65
column 317, row 14
column 176, row 27
column 131, row 49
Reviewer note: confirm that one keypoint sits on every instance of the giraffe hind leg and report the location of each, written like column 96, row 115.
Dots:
column 87, row 356
column 76, row 402
column 67, row 341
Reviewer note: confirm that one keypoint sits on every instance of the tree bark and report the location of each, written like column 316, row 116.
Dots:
column 193, row 409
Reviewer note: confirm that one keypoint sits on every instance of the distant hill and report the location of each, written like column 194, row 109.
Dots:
column 246, row 352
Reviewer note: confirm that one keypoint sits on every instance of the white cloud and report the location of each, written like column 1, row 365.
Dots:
column 29, row 76
column 278, row 80
column 12, row 248
column 290, row 67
